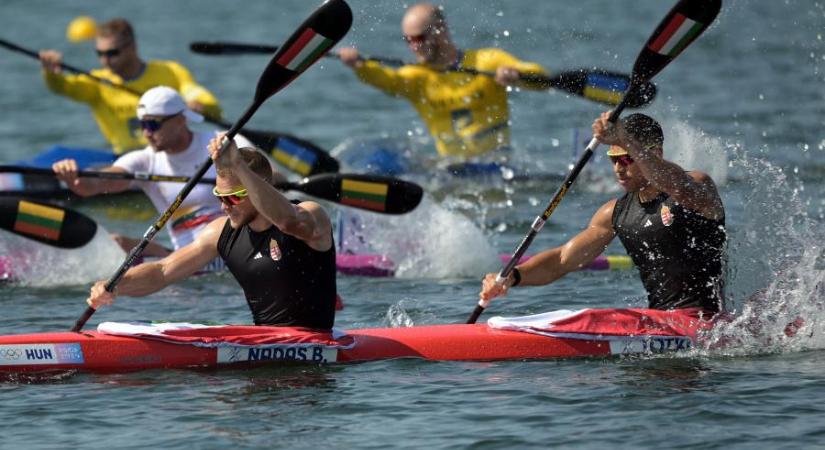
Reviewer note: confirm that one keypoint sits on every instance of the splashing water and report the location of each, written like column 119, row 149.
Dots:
column 776, row 282
column 29, row 263
column 692, row 149
column 429, row 242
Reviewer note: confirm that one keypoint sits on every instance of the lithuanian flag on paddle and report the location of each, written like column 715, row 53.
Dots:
column 309, row 47
column 365, row 194
column 39, row 220
column 676, row 36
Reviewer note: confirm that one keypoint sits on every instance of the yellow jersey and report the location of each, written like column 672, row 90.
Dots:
column 466, row 114
column 114, row 109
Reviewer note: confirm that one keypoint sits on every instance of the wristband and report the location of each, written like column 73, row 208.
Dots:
column 516, row 277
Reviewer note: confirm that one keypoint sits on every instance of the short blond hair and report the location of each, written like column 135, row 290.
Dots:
column 118, row 27
column 256, row 161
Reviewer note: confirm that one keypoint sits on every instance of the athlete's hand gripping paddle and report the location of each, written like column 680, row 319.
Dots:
column 681, row 26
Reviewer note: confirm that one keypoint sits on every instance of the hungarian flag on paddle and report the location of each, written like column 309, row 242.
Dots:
column 303, row 52
column 684, row 23
column 314, row 37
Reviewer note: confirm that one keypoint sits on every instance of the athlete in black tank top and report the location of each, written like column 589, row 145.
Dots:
column 282, row 253
column 285, row 281
column 671, row 222
column 678, row 252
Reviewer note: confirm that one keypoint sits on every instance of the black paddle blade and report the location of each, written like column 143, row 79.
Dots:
column 296, row 154
column 377, row 193
column 230, row 48
column 604, row 86
column 319, row 33
column 51, row 225
column 683, row 24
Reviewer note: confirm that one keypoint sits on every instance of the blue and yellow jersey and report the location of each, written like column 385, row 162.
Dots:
column 467, row 115
column 114, row 109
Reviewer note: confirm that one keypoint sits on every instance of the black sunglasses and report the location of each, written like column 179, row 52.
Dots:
column 112, row 52
column 153, row 125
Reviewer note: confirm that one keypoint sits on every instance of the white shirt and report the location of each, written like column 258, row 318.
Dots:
column 199, row 207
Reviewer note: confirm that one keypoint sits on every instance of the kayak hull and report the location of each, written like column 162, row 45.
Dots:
column 103, row 353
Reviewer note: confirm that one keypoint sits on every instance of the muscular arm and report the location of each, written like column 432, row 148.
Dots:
column 502, row 62
column 306, row 221
column 153, row 276
column 66, row 171
column 398, row 82
column 694, row 190
column 550, row 265
column 76, row 87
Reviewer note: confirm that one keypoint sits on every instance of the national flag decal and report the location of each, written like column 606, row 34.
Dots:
column 39, row 220
column 274, row 250
column 676, row 36
column 366, row 194
column 304, row 51
column 294, row 157
column 605, row 88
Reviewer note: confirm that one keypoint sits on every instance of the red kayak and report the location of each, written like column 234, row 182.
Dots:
column 220, row 346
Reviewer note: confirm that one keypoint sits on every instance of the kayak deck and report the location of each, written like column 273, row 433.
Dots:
column 96, row 352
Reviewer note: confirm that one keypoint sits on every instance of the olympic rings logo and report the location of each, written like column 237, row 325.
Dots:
column 10, row 353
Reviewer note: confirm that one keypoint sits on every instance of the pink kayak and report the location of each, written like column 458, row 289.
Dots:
column 381, row 266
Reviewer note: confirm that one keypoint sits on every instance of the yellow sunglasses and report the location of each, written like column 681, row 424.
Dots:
column 231, row 198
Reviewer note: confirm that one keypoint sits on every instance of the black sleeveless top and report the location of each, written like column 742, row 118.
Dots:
column 679, row 253
column 286, row 282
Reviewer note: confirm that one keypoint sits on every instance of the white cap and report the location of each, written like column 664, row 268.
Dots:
column 164, row 101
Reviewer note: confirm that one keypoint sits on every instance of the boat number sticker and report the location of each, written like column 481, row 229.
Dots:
column 308, row 353
column 29, row 354
column 649, row 344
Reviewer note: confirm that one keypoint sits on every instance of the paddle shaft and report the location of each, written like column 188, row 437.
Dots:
column 657, row 53
column 331, row 21
column 111, row 284
column 139, row 176
column 261, row 138
column 574, row 82
column 540, row 220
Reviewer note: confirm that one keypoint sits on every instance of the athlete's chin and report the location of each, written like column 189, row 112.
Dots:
column 237, row 221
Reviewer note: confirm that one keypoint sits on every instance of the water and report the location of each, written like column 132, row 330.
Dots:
column 744, row 103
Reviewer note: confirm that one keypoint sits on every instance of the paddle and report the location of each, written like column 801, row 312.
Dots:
column 323, row 29
column 298, row 155
column 683, row 24
column 51, row 225
column 593, row 84
column 377, row 193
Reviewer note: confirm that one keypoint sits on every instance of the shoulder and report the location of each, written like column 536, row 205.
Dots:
column 164, row 65
column 212, row 232
column 166, row 71
column 604, row 215
column 413, row 71
column 134, row 158
column 313, row 208
column 701, row 177
column 489, row 55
